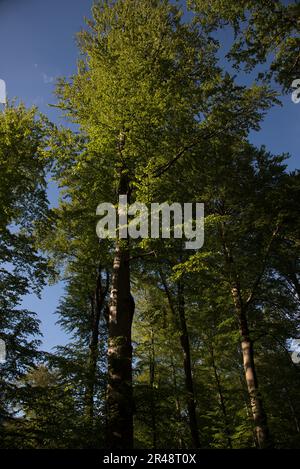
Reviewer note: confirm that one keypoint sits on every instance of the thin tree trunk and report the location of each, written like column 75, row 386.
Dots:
column 92, row 362
column 97, row 304
column 221, row 397
column 152, row 379
column 185, row 344
column 261, row 429
column 177, row 402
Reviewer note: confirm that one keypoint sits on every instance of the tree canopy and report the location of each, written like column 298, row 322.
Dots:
column 169, row 347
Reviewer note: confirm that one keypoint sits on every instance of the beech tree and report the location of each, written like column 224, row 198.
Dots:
column 266, row 33
column 147, row 93
column 239, row 222
column 138, row 54
column 23, row 204
column 167, row 347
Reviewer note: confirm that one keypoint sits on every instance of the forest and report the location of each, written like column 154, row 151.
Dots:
column 169, row 347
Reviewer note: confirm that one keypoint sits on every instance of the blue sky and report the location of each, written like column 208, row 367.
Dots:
column 37, row 44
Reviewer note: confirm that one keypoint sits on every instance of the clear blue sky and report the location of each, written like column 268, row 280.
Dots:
column 37, row 44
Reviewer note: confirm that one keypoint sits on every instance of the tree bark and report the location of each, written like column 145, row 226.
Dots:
column 177, row 403
column 97, row 303
column 152, row 379
column 119, row 391
column 185, row 345
column 121, row 311
column 221, row 397
column 261, row 430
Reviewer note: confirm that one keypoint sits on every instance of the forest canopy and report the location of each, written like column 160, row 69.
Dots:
column 169, row 347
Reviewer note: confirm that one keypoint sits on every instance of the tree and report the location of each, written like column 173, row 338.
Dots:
column 129, row 101
column 264, row 31
column 247, row 233
column 23, row 204
column 156, row 120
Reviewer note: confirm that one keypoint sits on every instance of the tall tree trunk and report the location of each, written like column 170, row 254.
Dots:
column 121, row 311
column 185, row 344
column 221, row 397
column 247, row 406
column 92, row 362
column 261, row 429
column 177, row 402
column 119, row 391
